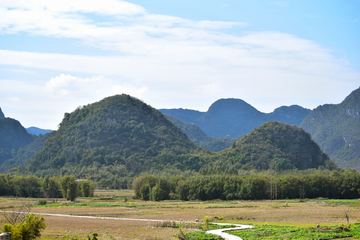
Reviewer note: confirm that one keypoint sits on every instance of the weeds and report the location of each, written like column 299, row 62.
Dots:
column 206, row 224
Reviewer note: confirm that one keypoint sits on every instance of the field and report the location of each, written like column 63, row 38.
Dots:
column 120, row 204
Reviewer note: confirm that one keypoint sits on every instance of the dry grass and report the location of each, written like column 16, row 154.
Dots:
column 293, row 213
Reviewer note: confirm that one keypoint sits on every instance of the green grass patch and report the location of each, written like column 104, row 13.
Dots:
column 351, row 202
column 277, row 232
column 202, row 235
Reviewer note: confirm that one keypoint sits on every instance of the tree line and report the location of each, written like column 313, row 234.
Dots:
column 47, row 187
column 343, row 184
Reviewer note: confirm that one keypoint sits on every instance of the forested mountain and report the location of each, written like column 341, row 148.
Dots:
column 1, row 114
column 37, row 131
column 12, row 137
column 119, row 135
column 24, row 153
column 200, row 138
column 234, row 117
column 336, row 128
column 275, row 145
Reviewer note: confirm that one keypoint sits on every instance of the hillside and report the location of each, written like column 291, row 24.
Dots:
column 118, row 135
column 234, row 117
column 286, row 145
column 12, row 137
column 336, row 128
column 24, row 153
column 200, row 138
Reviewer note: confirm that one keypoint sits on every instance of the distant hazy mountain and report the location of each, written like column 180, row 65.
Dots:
column 234, row 117
column 185, row 115
column 292, row 115
column 200, row 138
column 1, row 114
column 336, row 128
column 37, row 131
column 12, row 137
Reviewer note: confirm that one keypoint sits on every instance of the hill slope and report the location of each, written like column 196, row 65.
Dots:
column 234, row 117
column 24, row 153
column 200, row 138
column 119, row 135
column 12, row 137
column 336, row 128
column 286, row 145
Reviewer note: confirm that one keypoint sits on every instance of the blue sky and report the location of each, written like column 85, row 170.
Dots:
column 58, row 55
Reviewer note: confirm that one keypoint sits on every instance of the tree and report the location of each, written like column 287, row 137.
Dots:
column 87, row 189
column 145, row 192
column 69, row 187
column 29, row 229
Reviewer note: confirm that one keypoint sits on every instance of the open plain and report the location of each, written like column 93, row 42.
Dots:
column 120, row 204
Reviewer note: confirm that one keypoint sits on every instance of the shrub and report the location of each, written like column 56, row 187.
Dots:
column 41, row 202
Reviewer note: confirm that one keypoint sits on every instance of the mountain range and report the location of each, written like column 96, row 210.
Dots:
column 123, row 136
column 234, row 117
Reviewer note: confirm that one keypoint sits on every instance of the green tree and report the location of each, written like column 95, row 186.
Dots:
column 29, row 229
column 87, row 189
column 69, row 187
column 145, row 192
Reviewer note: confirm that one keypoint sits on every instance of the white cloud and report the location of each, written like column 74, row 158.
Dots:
column 105, row 7
column 156, row 57
column 67, row 87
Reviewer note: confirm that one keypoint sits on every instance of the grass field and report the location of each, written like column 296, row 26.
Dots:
column 120, row 204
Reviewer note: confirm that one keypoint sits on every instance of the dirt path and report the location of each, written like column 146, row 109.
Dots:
column 222, row 232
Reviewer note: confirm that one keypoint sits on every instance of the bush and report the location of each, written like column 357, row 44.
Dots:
column 41, row 202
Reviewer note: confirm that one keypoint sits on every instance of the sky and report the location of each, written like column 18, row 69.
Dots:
column 56, row 56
